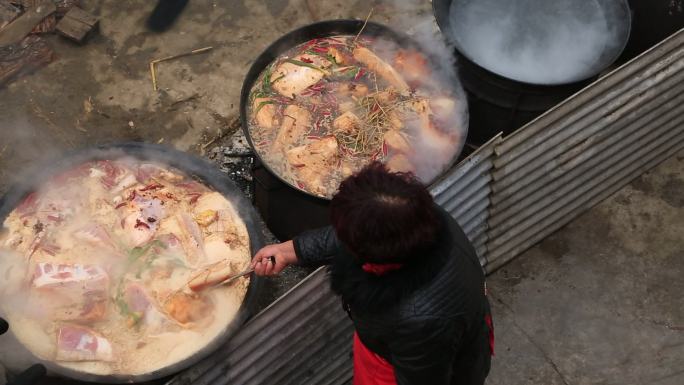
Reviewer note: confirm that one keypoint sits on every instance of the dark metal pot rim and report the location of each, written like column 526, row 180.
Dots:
column 192, row 166
column 318, row 30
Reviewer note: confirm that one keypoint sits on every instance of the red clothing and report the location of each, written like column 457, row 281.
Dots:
column 370, row 368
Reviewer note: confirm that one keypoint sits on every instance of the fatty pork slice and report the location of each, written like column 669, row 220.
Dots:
column 72, row 292
column 183, row 229
column 265, row 113
column 435, row 140
column 78, row 343
column 143, row 308
column 380, row 67
column 50, row 275
column 213, row 274
column 97, row 236
column 313, row 163
column 290, row 78
column 296, row 122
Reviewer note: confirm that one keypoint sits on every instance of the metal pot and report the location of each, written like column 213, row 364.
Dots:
column 287, row 209
column 192, row 166
column 500, row 103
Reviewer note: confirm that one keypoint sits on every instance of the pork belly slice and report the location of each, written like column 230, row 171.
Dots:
column 213, row 274
column 312, row 163
column 290, row 79
column 96, row 235
column 78, row 343
column 143, row 306
column 71, row 292
column 295, row 123
column 380, row 67
column 49, row 275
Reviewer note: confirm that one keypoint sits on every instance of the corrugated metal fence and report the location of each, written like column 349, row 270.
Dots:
column 509, row 195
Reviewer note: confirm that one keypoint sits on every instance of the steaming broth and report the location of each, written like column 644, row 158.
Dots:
column 325, row 108
column 534, row 41
column 98, row 263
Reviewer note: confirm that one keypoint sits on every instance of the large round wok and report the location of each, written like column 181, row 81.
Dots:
column 192, row 166
column 617, row 16
column 325, row 29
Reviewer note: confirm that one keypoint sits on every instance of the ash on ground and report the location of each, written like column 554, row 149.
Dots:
column 236, row 159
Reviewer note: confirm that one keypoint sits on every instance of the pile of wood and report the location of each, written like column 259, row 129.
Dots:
column 23, row 26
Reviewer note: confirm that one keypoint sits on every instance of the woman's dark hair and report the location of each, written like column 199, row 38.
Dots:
column 384, row 217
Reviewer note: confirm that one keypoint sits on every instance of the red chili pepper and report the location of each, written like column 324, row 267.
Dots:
column 194, row 197
column 120, row 205
column 306, row 60
column 320, row 49
column 54, row 218
column 152, row 186
column 359, row 74
column 384, row 148
column 313, row 137
column 132, row 195
column 300, row 185
column 139, row 223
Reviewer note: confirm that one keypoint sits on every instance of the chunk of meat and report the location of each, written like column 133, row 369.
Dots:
column 187, row 308
column 412, row 65
column 397, row 142
column 434, row 139
column 400, row 163
column 380, row 67
column 225, row 228
column 347, row 123
column 338, row 56
column 445, row 108
column 191, row 239
column 356, row 89
column 213, row 274
column 110, row 173
column 142, row 308
column 312, row 163
column 136, row 298
column 71, row 292
column 49, row 275
column 290, row 78
column 265, row 113
column 96, row 235
column 142, row 223
column 78, row 343
column 296, row 122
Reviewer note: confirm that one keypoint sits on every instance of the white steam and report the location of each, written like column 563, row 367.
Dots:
column 534, row 41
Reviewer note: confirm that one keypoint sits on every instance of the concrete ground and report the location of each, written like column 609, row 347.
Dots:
column 600, row 301
column 596, row 303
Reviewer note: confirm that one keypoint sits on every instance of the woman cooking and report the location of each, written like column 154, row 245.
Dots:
column 407, row 275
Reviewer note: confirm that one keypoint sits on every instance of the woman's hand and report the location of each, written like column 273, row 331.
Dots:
column 283, row 255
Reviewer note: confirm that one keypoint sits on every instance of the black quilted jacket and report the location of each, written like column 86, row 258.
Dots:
column 427, row 319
